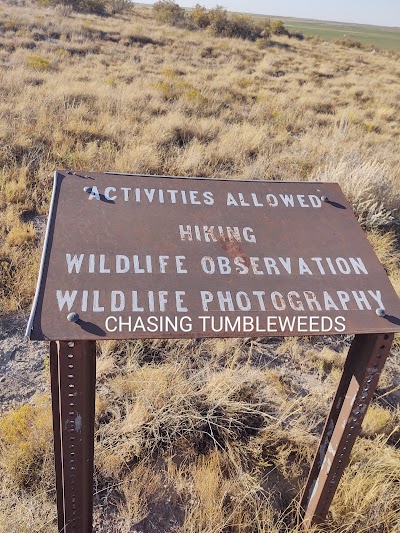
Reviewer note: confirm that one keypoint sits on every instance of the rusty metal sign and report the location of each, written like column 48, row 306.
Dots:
column 133, row 256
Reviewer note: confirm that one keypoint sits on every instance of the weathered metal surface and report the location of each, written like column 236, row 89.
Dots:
column 73, row 375
column 55, row 401
column 361, row 373
column 191, row 257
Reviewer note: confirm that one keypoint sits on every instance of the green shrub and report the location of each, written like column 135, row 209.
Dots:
column 200, row 16
column 119, row 6
column 243, row 26
column 348, row 42
column 264, row 26
column 89, row 6
column 278, row 28
column 240, row 26
column 169, row 12
column 35, row 62
column 296, row 35
column 219, row 21
column 221, row 24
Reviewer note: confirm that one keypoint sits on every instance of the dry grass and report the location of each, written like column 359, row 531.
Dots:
column 209, row 436
column 372, row 504
column 141, row 97
column 24, row 442
column 213, row 435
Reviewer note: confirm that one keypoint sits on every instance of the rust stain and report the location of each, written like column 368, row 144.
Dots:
column 234, row 250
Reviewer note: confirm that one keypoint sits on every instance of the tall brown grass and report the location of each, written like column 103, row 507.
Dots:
column 211, row 435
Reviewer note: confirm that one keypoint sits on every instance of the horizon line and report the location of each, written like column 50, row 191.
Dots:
column 305, row 19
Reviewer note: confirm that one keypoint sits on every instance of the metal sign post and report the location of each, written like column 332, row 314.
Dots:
column 360, row 377
column 73, row 380
column 133, row 256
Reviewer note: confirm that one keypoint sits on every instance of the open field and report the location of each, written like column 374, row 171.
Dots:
column 385, row 38
column 376, row 36
column 201, row 436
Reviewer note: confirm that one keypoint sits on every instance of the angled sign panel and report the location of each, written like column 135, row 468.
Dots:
column 133, row 256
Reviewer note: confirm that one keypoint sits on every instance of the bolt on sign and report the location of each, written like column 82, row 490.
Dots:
column 135, row 256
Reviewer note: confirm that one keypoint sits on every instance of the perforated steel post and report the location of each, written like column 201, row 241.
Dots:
column 73, row 381
column 360, row 377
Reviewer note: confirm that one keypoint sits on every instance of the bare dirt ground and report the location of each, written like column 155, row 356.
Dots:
column 21, row 362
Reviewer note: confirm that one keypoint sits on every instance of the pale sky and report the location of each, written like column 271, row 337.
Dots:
column 381, row 13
